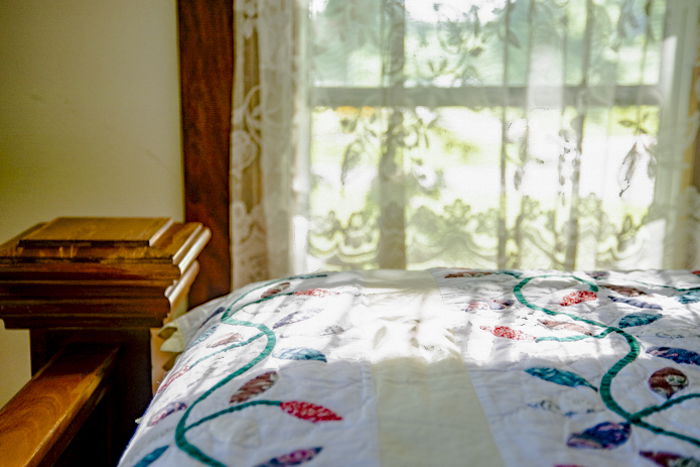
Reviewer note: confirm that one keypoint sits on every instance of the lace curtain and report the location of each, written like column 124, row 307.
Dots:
column 484, row 133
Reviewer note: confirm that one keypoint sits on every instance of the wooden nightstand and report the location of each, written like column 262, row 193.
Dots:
column 100, row 280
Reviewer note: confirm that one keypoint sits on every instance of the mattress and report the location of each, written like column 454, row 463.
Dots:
column 448, row 367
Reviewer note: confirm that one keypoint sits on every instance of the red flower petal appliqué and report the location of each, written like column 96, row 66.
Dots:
column 314, row 292
column 276, row 289
column 308, row 411
column 297, row 457
column 625, row 290
column 255, row 386
column 172, row 377
column 559, row 325
column 167, row 410
column 508, row 333
column 668, row 459
column 667, row 381
column 468, row 274
column 476, row 305
column 577, row 297
column 228, row 339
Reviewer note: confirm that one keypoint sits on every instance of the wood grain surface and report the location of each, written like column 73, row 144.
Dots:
column 205, row 30
column 73, row 282
column 39, row 422
column 171, row 247
column 98, row 231
column 77, row 289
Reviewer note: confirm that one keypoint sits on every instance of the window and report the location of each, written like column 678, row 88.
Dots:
column 504, row 134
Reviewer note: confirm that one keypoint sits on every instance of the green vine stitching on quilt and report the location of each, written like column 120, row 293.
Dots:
column 235, row 408
column 182, row 427
column 609, row 376
column 232, row 346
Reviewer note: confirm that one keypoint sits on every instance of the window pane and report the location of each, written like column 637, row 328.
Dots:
column 510, row 131
column 450, row 163
column 346, row 43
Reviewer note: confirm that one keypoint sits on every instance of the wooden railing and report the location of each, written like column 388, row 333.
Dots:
column 41, row 424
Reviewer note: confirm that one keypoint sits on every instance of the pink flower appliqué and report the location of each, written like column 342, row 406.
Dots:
column 574, row 298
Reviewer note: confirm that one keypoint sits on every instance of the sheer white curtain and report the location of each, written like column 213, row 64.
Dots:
column 485, row 133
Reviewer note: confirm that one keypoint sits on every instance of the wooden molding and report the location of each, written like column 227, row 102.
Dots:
column 107, row 232
column 98, row 272
column 205, row 29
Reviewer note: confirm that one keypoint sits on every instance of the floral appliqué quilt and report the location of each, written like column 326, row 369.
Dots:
column 594, row 368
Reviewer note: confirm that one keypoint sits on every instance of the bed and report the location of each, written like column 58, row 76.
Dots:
column 440, row 367
column 634, row 405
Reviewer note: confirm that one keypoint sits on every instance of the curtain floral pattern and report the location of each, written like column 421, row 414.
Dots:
column 484, row 133
column 262, row 140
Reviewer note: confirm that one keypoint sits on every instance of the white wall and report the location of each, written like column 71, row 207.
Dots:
column 89, row 121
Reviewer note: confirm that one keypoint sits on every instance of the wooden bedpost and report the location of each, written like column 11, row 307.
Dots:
column 105, row 281
column 205, row 36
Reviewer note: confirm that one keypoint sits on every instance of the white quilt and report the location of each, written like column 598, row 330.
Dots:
column 448, row 367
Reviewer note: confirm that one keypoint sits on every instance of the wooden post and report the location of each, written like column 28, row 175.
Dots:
column 101, row 281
